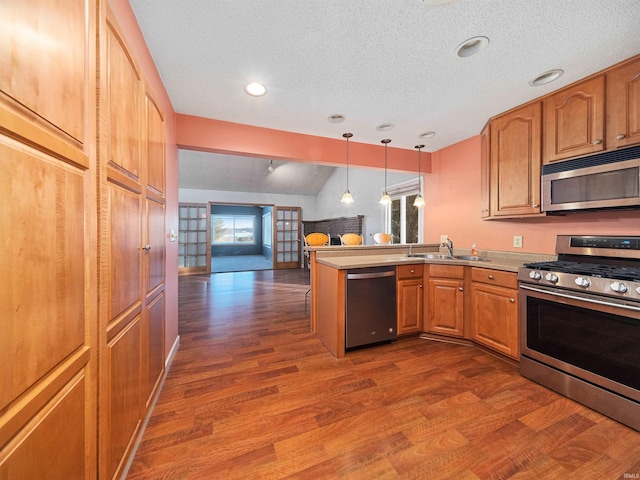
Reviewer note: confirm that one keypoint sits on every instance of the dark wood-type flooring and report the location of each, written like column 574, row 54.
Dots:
column 253, row 394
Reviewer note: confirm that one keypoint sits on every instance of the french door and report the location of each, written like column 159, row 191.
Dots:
column 287, row 237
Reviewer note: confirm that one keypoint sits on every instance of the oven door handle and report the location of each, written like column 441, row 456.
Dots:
column 583, row 299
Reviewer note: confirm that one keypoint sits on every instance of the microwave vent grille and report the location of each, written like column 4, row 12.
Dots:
column 631, row 153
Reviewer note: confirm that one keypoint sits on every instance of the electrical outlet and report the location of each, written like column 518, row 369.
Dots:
column 517, row 241
column 444, row 238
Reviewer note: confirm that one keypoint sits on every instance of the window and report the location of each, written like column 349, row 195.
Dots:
column 402, row 219
column 232, row 229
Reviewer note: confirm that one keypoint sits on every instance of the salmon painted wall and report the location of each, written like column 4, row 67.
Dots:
column 452, row 193
column 130, row 28
column 209, row 135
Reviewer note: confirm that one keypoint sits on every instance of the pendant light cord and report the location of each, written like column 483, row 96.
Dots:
column 419, row 147
column 386, row 141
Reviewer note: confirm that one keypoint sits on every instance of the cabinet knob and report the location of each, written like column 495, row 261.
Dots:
column 420, row 285
column 512, row 300
column 460, row 288
column 597, row 141
column 620, row 136
column 535, row 205
column 146, row 247
column 490, row 277
column 413, row 271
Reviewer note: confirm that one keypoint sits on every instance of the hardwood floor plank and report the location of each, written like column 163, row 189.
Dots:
column 252, row 393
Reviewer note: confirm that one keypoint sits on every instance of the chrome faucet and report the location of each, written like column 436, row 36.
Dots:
column 449, row 245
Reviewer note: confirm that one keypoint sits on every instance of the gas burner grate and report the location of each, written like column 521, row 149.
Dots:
column 590, row 269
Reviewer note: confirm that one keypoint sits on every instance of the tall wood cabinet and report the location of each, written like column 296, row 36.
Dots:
column 82, row 175
column 132, row 187
column 48, row 249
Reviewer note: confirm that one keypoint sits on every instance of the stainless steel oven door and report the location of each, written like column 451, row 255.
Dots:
column 592, row 337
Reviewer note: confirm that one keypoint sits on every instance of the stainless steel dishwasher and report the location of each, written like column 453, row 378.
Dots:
column 370, row 306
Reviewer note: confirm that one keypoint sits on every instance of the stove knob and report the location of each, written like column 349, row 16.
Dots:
column 551, row 277
column 535, row 275
column 583, row 282
column 618, row 287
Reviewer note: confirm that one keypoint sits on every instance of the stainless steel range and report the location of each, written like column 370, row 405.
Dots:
column 580, row 323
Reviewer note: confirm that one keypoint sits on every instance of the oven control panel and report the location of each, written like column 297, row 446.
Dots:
column 596, row 285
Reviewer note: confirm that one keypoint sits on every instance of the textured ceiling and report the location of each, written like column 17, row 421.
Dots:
column 385, row 61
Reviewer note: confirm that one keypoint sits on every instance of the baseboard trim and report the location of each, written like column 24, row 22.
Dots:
column 167, row 365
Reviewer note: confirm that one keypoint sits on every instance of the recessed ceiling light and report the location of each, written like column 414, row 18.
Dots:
column 255, row 89
column 427, row 135
column 385, row 127
column 546, row 77
column 336, row 118
column 470, row 47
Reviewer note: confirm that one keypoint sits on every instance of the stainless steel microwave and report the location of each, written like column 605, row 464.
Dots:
column 601, row 181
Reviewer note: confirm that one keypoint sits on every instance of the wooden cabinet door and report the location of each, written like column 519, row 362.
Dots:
column 485, row 172
column 128, row 234
column 623, row 107
column 48, row 286
column 410, row 310
column 446, row 302
column 153, row 348
column 574, row 121
column 515, row 162
column 494, row 317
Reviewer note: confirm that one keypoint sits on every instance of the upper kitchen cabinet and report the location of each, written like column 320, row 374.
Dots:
column 485, row 158
column 623, row 105
column 574, row 121
column 514, row 150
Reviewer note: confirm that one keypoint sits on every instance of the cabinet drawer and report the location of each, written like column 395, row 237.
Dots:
column 494, row 277
column 447, row 271
column 410, row 271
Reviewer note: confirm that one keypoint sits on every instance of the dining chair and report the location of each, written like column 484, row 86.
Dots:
column 382, row 238
column 315, row 239
column 351, row 239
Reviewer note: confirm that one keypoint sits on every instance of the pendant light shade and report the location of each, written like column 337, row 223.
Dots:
column 346, row 196
column 419, row 201
column 385, row 199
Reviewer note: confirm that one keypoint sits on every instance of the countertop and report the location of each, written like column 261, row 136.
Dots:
column 362, row 257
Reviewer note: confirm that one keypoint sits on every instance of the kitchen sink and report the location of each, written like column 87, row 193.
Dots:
column 471, row 258
column 433, row 256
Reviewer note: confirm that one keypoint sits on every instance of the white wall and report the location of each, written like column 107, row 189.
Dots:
column 306, row 202
column 366, row 186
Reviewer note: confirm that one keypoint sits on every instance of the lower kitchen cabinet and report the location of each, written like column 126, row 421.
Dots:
column 446, row 300
column 410, row 298
column 494, row 310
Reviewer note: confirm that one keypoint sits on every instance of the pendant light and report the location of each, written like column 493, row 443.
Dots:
column 385, row 199
column 346, row 196
column 419, row 201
